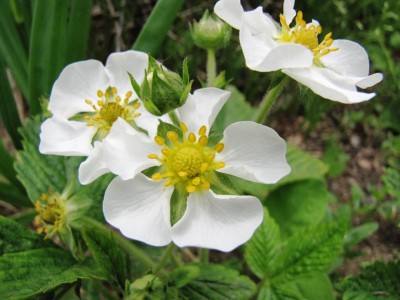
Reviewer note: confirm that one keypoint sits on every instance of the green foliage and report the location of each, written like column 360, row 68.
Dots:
column 108, row 256
column 157, row 25
column 296, row 206
column 213, row 282
column 16, row 238
column 285, row 268
column 359, row 233
column 335, row 158
column 377, row 281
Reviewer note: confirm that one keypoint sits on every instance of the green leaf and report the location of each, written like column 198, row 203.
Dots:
column 12, row 49
column 47, row 48
column 298, row 205
column 335, row 158
column 156, row 28
column 357, row 234
column 108, row 256
column 15, row 238
column 212, row 282
column 378, row 281
column 6, row 167
column 29, row 273
column 235, row 109
column 79, row 21
column 314, row 287
column 309, row 251
column 178, row 204
column 263, row 248
column 8, row 108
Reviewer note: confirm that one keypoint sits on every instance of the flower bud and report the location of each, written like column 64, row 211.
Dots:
column 162, row 90
column 210, row 32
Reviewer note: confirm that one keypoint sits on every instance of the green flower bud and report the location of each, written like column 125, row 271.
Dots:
column 210, row 32
column 162, row 90
column 148, row 287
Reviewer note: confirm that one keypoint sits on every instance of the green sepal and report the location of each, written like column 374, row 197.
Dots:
column 135, row 85
column 178, row 204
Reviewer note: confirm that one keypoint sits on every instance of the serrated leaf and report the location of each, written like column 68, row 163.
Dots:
column 298, row 205
column 28, row 273
column 212, row 282
column 309, row 251
column 15, row 238
column 108, row 256
column 263, row 248
column 378, row 281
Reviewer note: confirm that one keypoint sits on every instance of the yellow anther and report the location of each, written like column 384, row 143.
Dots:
column 135, row 115
column 169, row 174
column 156, row 176
column 136, row 105
column 210, row 157
column 182, row 174
column 166, row 152
column 152, row 156
column 87, row 101
column 86, row 117
column 329, row 43
column 192, row 137
column 168, row 183
column 128, row 94
column 159, row 140
column 114, row 90
column 196, row 181
column 118, row 99
column 100, row 94
column 219, row 147
column 219, row 165
column 206, row 185
column 100, row 103
column 203, row 140
column 107, row 94
column 204, row 167
column 203, row 130
column 190, row 188
column 172, row 136
column 183, row 127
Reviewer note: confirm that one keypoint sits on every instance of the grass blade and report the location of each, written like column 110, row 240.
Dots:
column 157, row 25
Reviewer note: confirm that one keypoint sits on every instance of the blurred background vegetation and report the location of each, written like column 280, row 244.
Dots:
column 360, row 143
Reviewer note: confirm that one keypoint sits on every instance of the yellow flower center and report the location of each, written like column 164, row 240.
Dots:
column 187, row 162
column 51, row 216
column 108, row 108
column 306, row 36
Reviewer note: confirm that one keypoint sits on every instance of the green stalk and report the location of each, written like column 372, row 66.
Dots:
column 211, row 67
column 123, row 243
column 269, row 100
column 164, row 258
column 203, row 254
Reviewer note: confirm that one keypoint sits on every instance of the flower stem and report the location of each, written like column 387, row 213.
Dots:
column 211, row 67
column 123, row 243
column 203, row 254
column 164, row 258
column 269, row 100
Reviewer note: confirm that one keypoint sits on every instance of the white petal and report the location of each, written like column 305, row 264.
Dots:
column 230, row 11
column 370, row 80
column 140, row 209
column 254, row 152
column 219, row 222
column 77, row 82
column 148, row 121
column 263, row 54
column 260, row 24
column 288, row 10
column 59, row 136
column 202, row 108
column 350, row 60
column 120, row 63
column 126, row 150
column 328, row 84
column 94, row 166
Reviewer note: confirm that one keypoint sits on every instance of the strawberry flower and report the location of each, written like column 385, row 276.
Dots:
column 183, row 161
column 333, row 69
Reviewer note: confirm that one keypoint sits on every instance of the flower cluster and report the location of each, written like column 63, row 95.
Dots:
column 139, row 121
column 331, row 68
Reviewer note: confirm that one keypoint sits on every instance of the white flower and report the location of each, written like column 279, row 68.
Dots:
column 140, row 206
column 86, row 100
column 331, row 68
